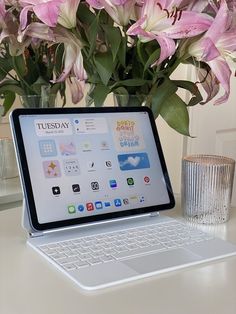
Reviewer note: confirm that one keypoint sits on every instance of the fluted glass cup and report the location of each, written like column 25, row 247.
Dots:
column 207, row 182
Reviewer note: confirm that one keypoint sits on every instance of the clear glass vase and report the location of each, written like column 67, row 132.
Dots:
column 127, row 100
column 207, row 182
column 38, row 101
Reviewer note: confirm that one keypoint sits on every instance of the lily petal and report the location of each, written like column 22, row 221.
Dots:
column 67, row 16
column 190, row 24
column 167, row 48
column 204, row 49
column 210, row 84
column 76, row 88
column 48, row 12
column 222, row 71
column 2, row 13
column 24, row 16
column 221, row 21
column 37, row 30
column 95, row 4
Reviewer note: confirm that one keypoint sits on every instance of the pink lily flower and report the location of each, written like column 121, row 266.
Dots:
column 9, row 34
column 67, row 15
column 73, row 59
column 216, row 46
column 162, row 21
column 47, row 11
column 119, row 10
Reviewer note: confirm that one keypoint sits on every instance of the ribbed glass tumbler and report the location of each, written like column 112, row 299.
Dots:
column 207, row 182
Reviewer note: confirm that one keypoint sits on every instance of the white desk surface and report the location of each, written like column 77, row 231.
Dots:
column 29, row 284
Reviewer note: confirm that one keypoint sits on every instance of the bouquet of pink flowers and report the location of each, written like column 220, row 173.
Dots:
column 125, row 47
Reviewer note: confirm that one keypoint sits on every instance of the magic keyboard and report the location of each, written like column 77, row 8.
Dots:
column 102, row 248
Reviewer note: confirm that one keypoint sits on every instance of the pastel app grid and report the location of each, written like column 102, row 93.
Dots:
column 51, row 168
column 47, row 148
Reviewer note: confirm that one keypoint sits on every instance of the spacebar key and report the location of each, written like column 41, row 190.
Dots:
column 139, row 251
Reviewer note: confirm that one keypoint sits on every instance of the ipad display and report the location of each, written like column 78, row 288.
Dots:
column 80, row 165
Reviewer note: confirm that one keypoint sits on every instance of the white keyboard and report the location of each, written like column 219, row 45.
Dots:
column 87, row 251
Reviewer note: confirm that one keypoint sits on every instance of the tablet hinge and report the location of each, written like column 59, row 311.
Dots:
column 36, row 234
column 154, row 214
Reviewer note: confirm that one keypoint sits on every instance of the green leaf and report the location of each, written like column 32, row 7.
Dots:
column 92, row 35
column 13, row 86
column 153, row 57
column 58, row 59
column 130, row 82
column 8, row 101
column 19, row 66
column 85, row 14
column 122, row 52
column 193, row 89
column 161, row 93
column 5, row 67
column 99, row 95
column 105, row 66
column 114, row 38
column 175, row 113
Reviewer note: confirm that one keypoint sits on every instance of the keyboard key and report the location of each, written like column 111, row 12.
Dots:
column 69, row 267
column 80, row 264
column 107, row 258
column 94, row 261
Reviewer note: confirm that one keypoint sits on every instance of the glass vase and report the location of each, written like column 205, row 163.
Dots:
column 38, row 101
column 207, row 182
column 127, row 100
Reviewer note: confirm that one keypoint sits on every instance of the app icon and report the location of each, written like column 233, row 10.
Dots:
column 56, row 190
column 141, row 199
column 71, row 167
column 67, row 148
column 146, row 179
column 130, row 181
column 117, row 202
column 75, row 188
column 126, row 201
column 107, row 204
column 80, row 208
column 86, row 146
column 108, row 164
column 98, row 205
column 104, row 145
column 51, row 169
column 89, row 206
column 113, row 184
column 95, row 186
column 47, row 148
column 71, row 209
column 91, row 166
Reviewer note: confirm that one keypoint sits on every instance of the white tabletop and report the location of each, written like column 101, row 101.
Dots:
column 29, row 284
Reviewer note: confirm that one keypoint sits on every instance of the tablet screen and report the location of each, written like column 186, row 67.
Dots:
column 93, row 164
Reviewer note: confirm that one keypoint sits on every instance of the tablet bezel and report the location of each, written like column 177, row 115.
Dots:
column 25, row 175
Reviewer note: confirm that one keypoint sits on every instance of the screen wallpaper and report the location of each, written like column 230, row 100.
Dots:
column 91, row 164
